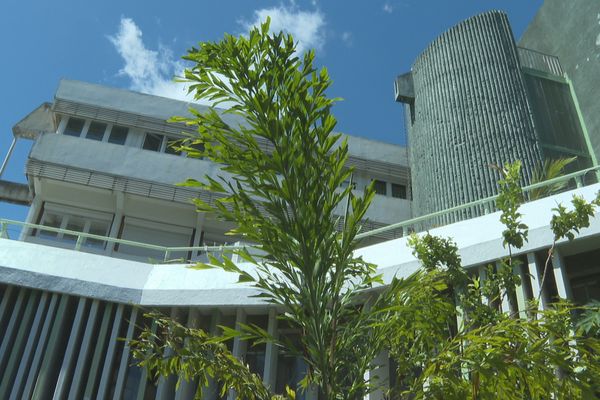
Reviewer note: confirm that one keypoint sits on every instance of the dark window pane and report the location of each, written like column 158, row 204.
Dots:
column 118, row 135
column 152, row 142
column 96, row 131
column 380, row 187
column 398, row 191
column 74, row 127
column 169, row 146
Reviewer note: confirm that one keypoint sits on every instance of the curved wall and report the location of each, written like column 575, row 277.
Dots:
column 470, row 111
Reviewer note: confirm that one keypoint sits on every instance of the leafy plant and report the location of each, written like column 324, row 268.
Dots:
column 282, row 173
column 550, row 169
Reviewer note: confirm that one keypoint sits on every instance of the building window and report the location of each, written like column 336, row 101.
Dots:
column 159, row 143
column 346, row 183
column 91, row 222
column 399, row 191
column 380, row 187
column 118, row 134
column 152, row 142
column 170, row 146
column 96, row 131
column 74, row 127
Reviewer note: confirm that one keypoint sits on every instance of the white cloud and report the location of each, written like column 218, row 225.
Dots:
column 388, row 8
column 307, row 27
column 150, row 71
column 347, row 38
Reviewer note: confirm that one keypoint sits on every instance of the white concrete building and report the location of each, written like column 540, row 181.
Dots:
column 104, row 216
column 108, row 231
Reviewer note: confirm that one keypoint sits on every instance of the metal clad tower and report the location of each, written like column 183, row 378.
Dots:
column 467, row 108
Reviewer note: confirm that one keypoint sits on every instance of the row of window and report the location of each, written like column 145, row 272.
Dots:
column 116, row 134
column 164, row 144
column 381, row 187
column 397, row 190
column 96, row 131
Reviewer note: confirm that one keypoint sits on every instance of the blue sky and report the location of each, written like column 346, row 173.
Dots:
column 137, row 45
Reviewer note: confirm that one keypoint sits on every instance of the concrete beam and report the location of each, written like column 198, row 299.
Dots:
column 16, row 193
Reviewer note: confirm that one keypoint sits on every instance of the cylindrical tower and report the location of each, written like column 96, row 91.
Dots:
column 470, row 111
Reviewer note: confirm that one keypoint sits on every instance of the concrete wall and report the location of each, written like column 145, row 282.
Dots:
column 470, row 111
column 571, row 30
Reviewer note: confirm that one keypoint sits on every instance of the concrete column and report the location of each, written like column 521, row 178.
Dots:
column 144, row 375
column 536, row 281
column 187, row 389
column 18, row 346
column 45, row 379
column 270, row 370
column 239, row 345
column 11, row 328
column 102, row 334
column 70, row 358
column 117, row 221
column 40, row 348
column 483, row 276
column 166, row 385
column 124, row 362
column 82, row 365
column 200, row 217
column 520, row 291
column 503, row 295
column 32, row 215
column 380, row 375
column 29, row 352
column 560, row 276
column 210, row 391
column 107, row 369
column 62, row 125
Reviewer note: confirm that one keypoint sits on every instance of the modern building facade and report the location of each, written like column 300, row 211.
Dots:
column 108, row 233
column 473, row 99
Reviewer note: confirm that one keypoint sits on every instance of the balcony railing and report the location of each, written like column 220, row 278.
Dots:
column 476, row 208
column 80, row 239
column 418, row 224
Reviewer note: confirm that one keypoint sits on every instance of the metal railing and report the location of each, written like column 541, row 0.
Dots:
column 82, row 237
column 418, row 224
column 535, row 60
column 475, row 208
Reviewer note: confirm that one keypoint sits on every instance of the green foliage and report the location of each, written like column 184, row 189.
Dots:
column 491, row 354
column 285, row 168
column 567, row 223
column 514, row 359
column 550, row 169
column 193, row 354
column 589, row 322
column 509, row 199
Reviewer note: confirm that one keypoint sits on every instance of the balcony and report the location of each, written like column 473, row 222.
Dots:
column 118, row 160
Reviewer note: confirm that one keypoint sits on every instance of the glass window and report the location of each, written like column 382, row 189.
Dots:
column 153, row 142
column 118, row 134
column 74, row 127
column 76, row 224
column 380, row 187
column 99, row 228
column 398, row 191
column 169, row 146
column 96, row 131
column 52, row 220
column 346, row 183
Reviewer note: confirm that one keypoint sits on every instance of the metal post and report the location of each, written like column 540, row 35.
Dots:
column 79, row 242
column 4, row 230
column 10, row 150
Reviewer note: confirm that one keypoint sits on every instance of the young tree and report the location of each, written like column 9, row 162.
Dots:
column 285, row 195
column 288, row 201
